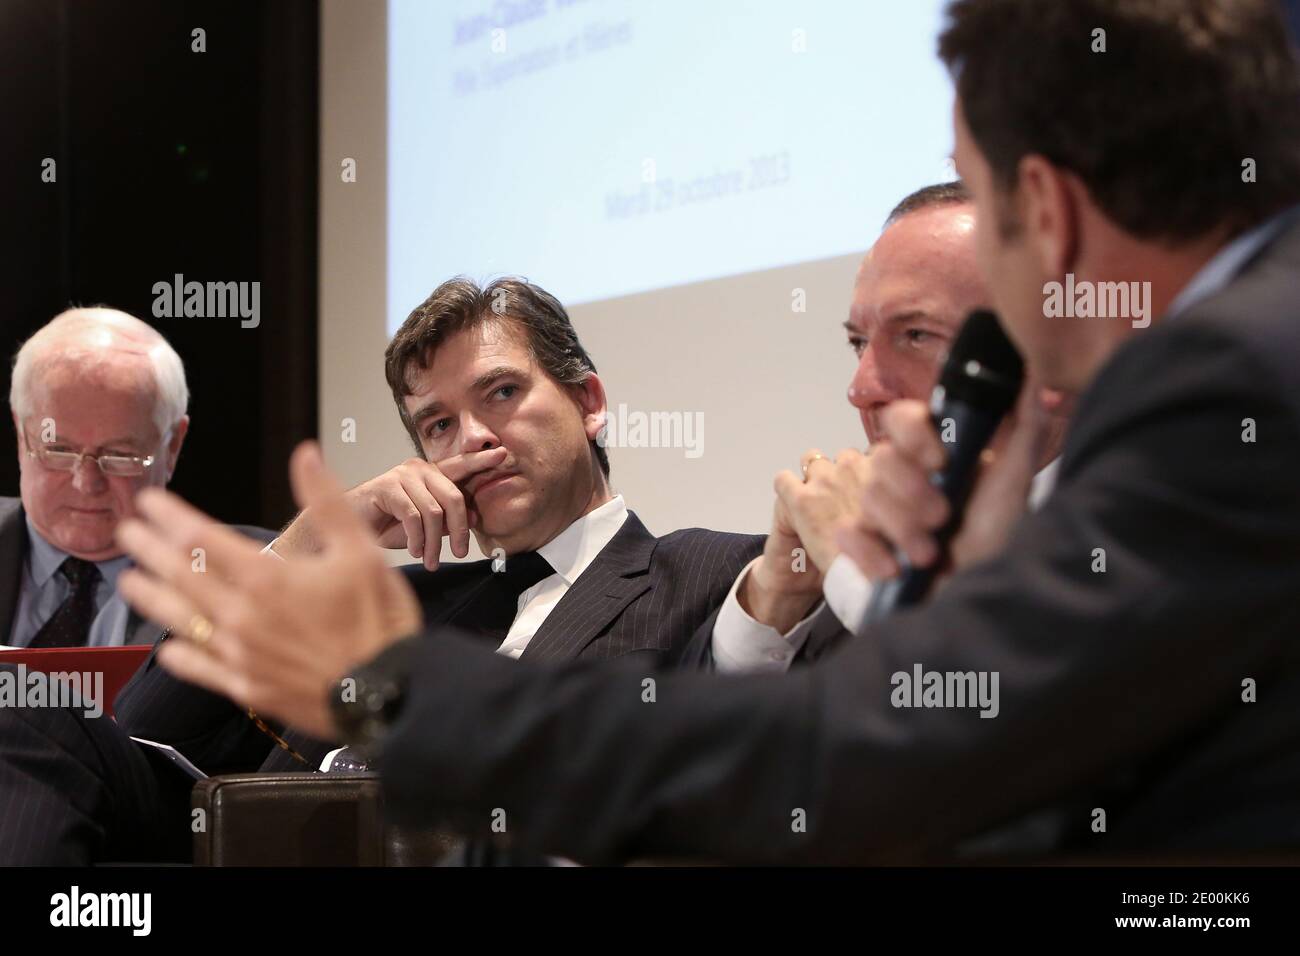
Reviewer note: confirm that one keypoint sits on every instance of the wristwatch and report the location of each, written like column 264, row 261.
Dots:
column 365, row 703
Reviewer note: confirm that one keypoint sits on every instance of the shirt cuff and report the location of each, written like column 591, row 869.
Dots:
column 848, row 592
column 742, row 644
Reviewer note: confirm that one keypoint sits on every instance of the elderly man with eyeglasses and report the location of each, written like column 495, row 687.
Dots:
column 98, row 401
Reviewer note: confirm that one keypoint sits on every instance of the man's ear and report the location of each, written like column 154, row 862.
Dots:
column 590, row 396
column 1049, row 214
column 21, row 443
column 174, row 445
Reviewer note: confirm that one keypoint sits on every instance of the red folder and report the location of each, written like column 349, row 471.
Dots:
column 117, row 664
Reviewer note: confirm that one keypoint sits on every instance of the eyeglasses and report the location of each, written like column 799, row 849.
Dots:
column 57, row 458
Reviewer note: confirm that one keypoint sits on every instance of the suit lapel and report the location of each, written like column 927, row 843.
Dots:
column 13, row 552
column 601, row 593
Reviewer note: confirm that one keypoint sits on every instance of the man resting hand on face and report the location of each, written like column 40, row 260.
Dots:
column 505, row 408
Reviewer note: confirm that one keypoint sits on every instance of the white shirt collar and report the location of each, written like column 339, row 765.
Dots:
column 574, row 548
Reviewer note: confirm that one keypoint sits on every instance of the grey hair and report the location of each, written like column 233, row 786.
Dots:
column 94, row 330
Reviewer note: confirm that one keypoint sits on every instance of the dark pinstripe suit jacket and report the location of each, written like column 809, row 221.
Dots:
column 643, row 596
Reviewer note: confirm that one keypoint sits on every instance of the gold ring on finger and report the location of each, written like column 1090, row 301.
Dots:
column 808, row 464
column 200, row 630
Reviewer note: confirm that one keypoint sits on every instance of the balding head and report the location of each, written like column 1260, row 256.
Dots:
column 94, row 382
column 913, row 290
column 100, row 342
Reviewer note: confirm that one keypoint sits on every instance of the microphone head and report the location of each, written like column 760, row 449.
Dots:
column 983, row 368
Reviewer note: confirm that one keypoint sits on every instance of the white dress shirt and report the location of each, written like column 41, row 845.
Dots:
column 741, row 643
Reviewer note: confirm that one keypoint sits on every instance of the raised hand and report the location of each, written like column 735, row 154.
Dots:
column 271, row 635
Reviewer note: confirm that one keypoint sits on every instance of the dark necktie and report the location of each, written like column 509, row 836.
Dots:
column 490, row 613
column 493, row 608
column 70, row 624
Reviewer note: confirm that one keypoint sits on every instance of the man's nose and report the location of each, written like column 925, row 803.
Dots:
column 871, row 384
column 87, row 478
column 476, row 435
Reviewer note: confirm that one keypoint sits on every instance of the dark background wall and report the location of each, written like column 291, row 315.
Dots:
column 171, row 161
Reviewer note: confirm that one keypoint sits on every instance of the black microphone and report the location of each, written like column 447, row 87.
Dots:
column 979, row 383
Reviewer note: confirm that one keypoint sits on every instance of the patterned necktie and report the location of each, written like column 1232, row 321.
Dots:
column 70, row 624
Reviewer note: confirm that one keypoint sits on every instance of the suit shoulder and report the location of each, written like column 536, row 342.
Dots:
column 1253, row 322
column 1224, row 356
column 699, row 550
column 10, row 507
column 1196, row 389
column 1235, row 349
column 726, row 542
